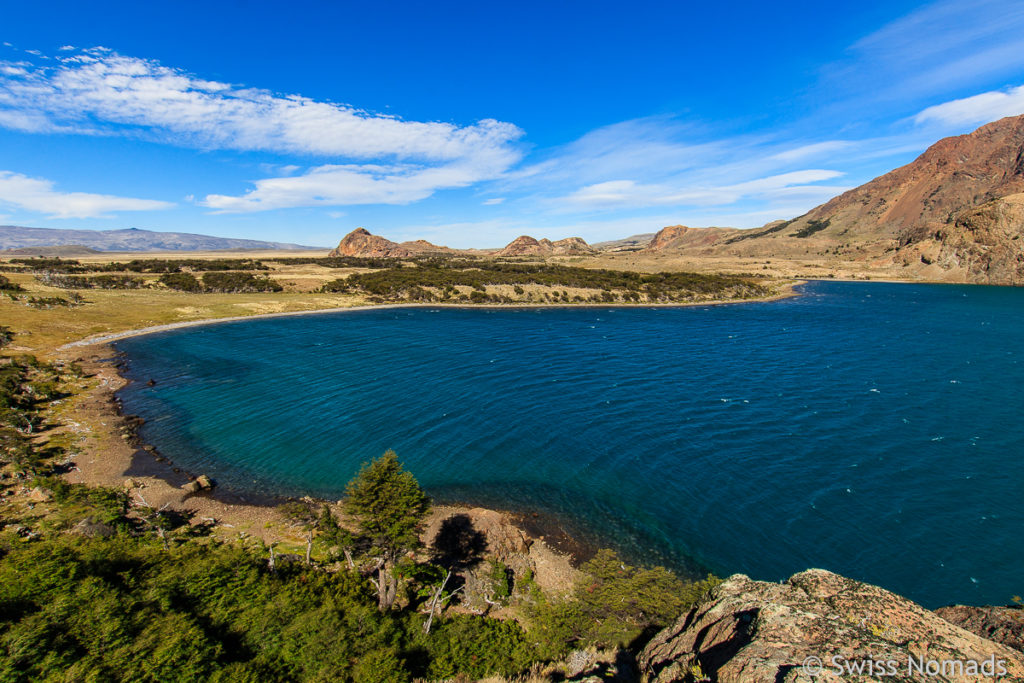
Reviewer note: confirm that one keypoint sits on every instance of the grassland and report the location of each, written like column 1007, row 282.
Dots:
column 310, row 282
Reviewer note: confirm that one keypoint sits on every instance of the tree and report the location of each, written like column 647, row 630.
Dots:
column 390, row 506
column 304, row 515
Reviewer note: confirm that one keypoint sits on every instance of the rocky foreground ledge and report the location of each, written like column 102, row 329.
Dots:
column 819, row 626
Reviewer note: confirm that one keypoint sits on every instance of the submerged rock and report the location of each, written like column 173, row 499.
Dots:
column 819, row 626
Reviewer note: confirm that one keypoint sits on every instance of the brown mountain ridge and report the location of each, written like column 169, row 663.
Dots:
column 956, row 213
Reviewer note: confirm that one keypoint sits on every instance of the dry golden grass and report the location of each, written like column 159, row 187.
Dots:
column 41, row 331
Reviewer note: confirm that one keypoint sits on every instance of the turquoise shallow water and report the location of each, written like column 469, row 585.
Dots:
column 871, row 429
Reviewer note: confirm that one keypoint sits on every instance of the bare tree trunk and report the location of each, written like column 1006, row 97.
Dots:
column 309, row 546
column 348, row 558
column 271, row 563
column 387, row 585
column 433, row 602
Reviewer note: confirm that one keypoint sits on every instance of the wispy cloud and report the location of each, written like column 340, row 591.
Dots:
column 96, row 91
column 38, row 194
column 977, row 109
column 932, row 51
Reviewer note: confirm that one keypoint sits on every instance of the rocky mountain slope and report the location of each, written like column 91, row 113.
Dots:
column 361, row 243
column 132, row 239
column 804, row 629
column 956, row 213
column 528, row 246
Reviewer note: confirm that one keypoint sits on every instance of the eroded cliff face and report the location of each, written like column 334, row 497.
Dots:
column 815, row 627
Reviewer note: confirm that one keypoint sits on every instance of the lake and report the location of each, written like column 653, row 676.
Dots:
column 867, row 428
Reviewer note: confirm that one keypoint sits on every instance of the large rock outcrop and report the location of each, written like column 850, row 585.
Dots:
column 362, row 244
column 528, row 246
column 756, row 632
column 999, row 624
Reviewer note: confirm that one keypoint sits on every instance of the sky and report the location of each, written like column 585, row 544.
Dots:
column 469, row 124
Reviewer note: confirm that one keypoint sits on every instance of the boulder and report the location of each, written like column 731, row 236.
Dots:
column 192, row 487
column 40, row 495
column 819, row 626
column 205, row 482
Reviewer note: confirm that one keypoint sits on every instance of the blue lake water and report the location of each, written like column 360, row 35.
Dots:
column 871, row 429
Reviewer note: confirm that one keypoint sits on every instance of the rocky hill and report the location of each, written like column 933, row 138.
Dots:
column 362, row 243
column 131, row 239
column 528, row 246
column 956, row 213
column 802, row 630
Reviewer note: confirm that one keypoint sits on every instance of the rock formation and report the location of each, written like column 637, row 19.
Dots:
column 362, row 244
column 999, row 624
column 528, row 246
column 681, row 237
column 808, row 627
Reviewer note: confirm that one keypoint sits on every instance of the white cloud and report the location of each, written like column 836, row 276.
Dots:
column 98, row 88
column 817, row 149
column 977, row 109
column 96, row 91
column 632, row 193
column 37, row 194
column 493, row 201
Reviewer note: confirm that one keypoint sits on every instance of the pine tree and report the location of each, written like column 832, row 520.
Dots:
column 390, row 506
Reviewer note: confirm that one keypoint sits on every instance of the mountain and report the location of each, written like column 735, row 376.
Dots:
column 131, row 239
column 362, row 243
column 528, row 246
column 956, row 213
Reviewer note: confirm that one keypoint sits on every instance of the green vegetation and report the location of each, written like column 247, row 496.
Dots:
column 8, row 286
column 238, row 282
column 812, row 227
column 389, row 505
column 91, row 282
column 615, row 605
column 338, row 261
column 438, row 280
column 97, row 585
column 183, row 282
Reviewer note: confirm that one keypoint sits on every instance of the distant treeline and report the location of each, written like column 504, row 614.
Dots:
column 217, row 281
column 338, row 261
column 444, row 277
column 58, row 265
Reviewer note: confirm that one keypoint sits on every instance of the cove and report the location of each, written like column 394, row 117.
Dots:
column 867, row 428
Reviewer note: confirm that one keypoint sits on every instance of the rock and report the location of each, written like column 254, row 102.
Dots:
column 40, row 495
column 192, row 487
column 999, row 624
column 91, row 528
column 528, row 246
column 362, row 244
column 752, row 632
column 205, row 482
column 130, row 483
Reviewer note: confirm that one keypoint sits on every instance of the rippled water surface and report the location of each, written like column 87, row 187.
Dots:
column 872, row 429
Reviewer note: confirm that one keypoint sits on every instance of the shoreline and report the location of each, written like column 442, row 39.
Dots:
column 112, row 454
column 789, row 291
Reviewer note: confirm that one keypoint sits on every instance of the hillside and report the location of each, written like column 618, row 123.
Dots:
column 131, row 239
column 954, row 214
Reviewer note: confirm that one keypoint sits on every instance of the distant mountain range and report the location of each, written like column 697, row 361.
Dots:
column 131, row 239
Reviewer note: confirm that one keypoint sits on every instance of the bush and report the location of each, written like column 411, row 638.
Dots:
column 183, row 282
column 238, row 282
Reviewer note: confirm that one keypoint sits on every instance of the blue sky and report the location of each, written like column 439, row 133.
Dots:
column 469, row 124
